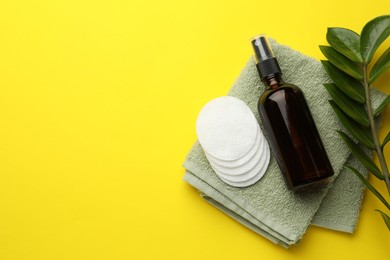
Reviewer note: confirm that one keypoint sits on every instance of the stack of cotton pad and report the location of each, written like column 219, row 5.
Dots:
column 232, row 141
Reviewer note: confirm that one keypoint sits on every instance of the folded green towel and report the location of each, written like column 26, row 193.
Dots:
column 268, row 207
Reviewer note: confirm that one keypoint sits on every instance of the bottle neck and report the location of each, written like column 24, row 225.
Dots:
column 273, row 81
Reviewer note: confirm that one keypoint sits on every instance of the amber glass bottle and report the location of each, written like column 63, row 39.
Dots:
column 288, row 123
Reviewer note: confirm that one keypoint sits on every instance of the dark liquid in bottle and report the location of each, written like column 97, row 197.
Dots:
column 289, row 126
column 292, row 134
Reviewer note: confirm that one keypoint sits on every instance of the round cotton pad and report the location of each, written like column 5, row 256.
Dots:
column 254, row 179
column 226, row 128
column 243, row 160
column 249, row 174
column 245, row 168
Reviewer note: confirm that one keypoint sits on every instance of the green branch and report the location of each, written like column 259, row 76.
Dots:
column 378, row 147
column 348, row 57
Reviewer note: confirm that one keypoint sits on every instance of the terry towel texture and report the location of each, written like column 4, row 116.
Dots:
column 268, row 207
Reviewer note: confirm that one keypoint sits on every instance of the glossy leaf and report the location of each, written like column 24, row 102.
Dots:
column 386, row 218
column 342, row 62
column 350, row 86
column 346, row 42
column 353, row 109
column 380, row 66
column 382, row 106
column 386, row 140
column 365, row 160
column 360, row 133
column 368, row 185
column 373, row 34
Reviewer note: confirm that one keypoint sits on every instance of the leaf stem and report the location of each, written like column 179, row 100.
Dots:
column 378, row 147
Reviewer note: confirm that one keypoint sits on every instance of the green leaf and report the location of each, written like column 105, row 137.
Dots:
column 342, row 62
column 386, row 140
column 380, row 66
column 353, row 109
column 368, row 185
column 350, row 86
column 382, row 106
column 346, row 42
column 373, row 34
column 360, row 133
column 385, row 218
column 361, row 156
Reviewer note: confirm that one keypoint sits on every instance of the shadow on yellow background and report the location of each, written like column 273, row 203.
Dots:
column 98, row 101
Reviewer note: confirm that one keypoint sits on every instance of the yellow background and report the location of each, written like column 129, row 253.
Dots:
column 98, row 101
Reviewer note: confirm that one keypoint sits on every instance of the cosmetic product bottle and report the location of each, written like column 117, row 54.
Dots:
column 289, row 126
